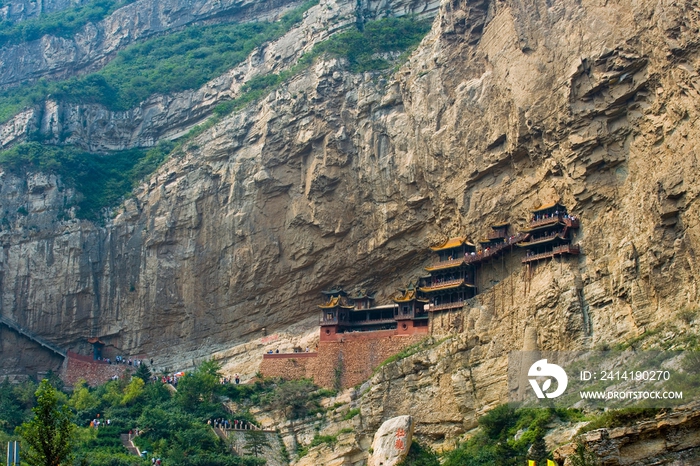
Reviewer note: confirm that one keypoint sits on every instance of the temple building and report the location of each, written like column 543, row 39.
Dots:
column 452, row 276
column 411, row 311
column 343, row 313
column 549, row 234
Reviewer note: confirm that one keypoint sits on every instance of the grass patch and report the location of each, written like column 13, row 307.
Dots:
column 495, row 443
column 351, row 414
column 364, row 50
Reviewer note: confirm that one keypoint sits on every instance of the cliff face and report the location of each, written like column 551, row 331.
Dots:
column 20, row 10
column 341, row 178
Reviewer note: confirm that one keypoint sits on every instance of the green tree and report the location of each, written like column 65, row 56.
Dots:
column 255, row 442
column 133, row 391
column 143, row 372
column 199, row 386
column 293, row 398
column 50, row 433
column 419, row 455
column 82, row 399
column 538, row 451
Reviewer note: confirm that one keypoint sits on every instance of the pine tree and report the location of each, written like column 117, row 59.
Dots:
column 50, row 433
column 255, row 442
column 143, row 372
column 538, row 451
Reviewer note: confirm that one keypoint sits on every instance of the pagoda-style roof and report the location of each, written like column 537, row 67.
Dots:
column 334, row 302
column 452, row 243
column 547, row 207
column 361, row 294
column 95, row 340
column 410, row 293
column 446, row 286
column 335, row 290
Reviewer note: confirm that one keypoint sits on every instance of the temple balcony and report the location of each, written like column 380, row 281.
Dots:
column 328, row 321
column 445, row 306
column 448, row 264
column 571, row 222
column 546, row 221
column 445, row 285
column 573, row 249
column 360, row 323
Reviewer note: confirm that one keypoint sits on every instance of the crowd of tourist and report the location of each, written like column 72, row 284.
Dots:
column 296, row 350
column 221, row 423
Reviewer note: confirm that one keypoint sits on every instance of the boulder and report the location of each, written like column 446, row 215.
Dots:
column 392, row 441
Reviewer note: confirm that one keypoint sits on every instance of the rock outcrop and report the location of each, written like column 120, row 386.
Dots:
column 668, row 439
column 391, row 442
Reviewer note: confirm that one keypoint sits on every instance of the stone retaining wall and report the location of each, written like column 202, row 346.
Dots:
column 339, row 364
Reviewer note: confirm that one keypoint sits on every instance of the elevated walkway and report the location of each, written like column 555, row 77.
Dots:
column 35, row 338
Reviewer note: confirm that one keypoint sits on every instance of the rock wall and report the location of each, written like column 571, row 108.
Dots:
column 289, row 366
column 77, row 367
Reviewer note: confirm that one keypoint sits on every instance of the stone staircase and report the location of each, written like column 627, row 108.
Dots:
column 35, row 338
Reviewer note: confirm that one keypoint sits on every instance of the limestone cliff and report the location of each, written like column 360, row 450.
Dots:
column 342, row 178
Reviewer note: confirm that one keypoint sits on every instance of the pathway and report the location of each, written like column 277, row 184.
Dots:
column 129, row 445
column 46, row 344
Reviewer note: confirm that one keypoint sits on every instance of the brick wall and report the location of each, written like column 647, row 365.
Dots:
column 289, row 366
column 348, row 361
column 77, row 366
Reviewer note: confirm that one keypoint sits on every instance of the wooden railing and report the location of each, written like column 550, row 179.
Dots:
column 570, row 221
column 542, row 239
column 563, row 249
column 444, row 284
column 493, row 251
column 442, row 307
column 546, row 221
column 444, row 264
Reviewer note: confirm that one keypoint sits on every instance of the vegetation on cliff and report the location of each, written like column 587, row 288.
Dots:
column 62, row 23
column 101, row 180
column 379, row 45
column 163, row 65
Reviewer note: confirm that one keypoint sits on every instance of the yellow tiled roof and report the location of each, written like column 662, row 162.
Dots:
column 451, row 243
column 546, row 206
